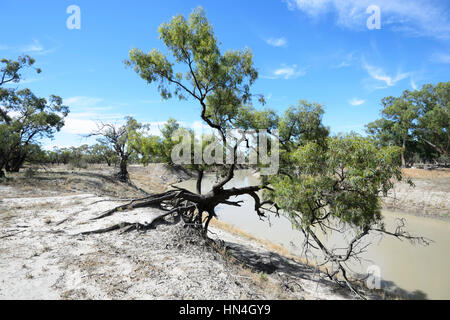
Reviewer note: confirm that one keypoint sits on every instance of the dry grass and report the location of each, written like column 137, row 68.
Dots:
column 145, row 183
column 265, row 243
column 263, row 285
column 426, row 174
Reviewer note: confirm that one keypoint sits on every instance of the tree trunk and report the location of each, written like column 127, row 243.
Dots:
column 123, row 173
column 108, row 162
column 17, row 164
column 199, row 181
column 403, row 153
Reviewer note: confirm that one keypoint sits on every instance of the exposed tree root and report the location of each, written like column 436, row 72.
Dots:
column 128, row 226
column 150, row 201
column 190, row 206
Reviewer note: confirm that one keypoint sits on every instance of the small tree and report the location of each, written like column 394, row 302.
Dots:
column 24, row 118
column 118, row 139
column 10, row 73
column 168, row 131
column 101, row 153
column 418, row 121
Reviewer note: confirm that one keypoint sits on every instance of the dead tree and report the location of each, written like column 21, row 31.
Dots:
column 118, row 139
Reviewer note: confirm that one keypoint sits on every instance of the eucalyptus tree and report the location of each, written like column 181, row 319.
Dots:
column 433, row 127
column 101, row 153
column 322, row 181
column 418, row 121
column 118, row 138
column 10, row 72
column 403, row 113
column 24, row 117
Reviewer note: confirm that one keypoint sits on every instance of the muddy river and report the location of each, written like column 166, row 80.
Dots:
column 418, row 271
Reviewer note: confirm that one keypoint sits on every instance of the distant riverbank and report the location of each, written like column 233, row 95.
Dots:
column 429, row 197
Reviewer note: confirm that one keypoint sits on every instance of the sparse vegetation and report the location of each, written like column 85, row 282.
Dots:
column 64, row 205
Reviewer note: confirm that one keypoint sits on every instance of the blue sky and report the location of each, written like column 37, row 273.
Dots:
column 318, row 50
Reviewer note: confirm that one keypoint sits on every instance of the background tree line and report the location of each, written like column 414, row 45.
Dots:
column 418, row 122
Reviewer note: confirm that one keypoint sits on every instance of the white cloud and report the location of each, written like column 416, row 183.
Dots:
column 413, row 84
column 86, row 113
column 413, row 17
column 379, row 75
column 75, row 125
column 440, row 57
column 286, row 72
column 200, row 128
column 83, row 123
column 356, row 102
column 154, row 127
column 346, row 61
column 36, row 46
column 82, row 101
column 277, row 42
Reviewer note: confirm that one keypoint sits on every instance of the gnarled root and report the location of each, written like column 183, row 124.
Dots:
column 190, row 206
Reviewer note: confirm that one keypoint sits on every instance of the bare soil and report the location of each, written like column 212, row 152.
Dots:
column 44, row 256
column 430, row 195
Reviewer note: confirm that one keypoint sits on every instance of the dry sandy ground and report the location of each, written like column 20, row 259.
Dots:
column 429, row 197
column 43, row 255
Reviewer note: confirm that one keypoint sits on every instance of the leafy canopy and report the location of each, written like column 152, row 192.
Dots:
column 24, row 117
column 220, row 82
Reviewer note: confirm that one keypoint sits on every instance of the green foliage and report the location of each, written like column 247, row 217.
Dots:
column 417, row 121
column 148, row 148
column 118, row 138
column 24, row 117
column 339, row 177
column 433, row 127
column 168, row 131
column 219, row 82
column 100, row 153
column 302, row 123
column 250, row 118
column 263, row 276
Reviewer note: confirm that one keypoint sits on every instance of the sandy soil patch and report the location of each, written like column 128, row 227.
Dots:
column 428, row 197
column 43, row 256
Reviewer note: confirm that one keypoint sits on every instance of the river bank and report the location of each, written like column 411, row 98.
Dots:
column 43, row 215
column 43, row 254
column 428, row 197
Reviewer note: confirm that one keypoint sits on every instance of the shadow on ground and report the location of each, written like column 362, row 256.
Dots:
column 271, row 262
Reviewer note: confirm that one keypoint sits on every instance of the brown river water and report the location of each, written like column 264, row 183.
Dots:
column 420, row 272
